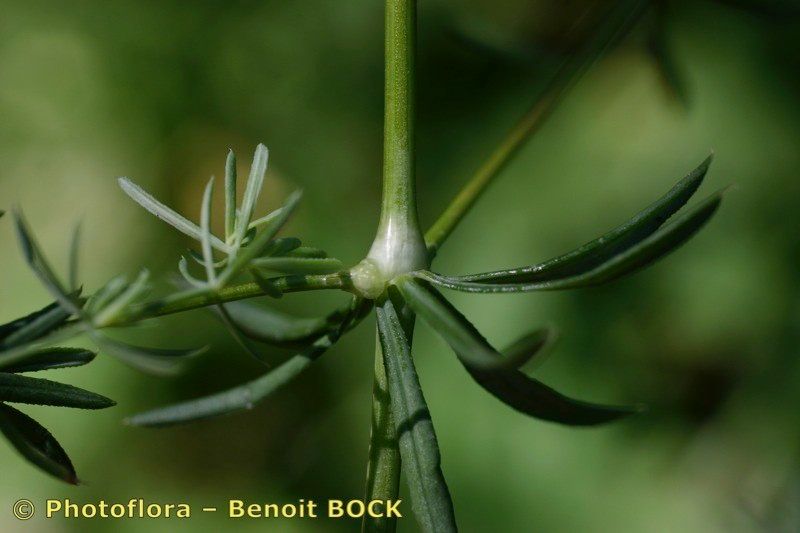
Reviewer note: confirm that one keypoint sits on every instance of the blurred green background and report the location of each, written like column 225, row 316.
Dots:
column 708, row 338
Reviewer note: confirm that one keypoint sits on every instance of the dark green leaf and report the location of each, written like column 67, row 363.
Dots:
column 649, row 250
column 448, row 322
column 419, row 449
column 533, row 398
column 24, row 389
column 33, row 326
column 36, row 444
column 51, row 358
column 600, row 250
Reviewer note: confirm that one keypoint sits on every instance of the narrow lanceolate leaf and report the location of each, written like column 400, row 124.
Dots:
column 247, row 395
column 260, row 241
column 153, row 360
column 36, row 444
column 533, row 398
column 453, row 327
column 23, row 389
column 110, row 312
column 271, row 326
column 50, row 358
column 205, row 232
column 596, row 252
column 266, row 219
column 230, row 195
column 33, row 326
column 40, row 266
column 419, row 449
column 647, row 251
column 298, row 265
column 177, row 221
column 253, row 189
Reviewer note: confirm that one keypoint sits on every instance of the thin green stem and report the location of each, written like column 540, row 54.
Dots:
column 619, row 22
column 197, row 298
column 399, row 245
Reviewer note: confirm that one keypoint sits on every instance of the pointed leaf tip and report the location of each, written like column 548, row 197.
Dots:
column 36, row 444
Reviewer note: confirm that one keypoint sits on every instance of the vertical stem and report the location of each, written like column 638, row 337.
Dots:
column 398, row 149
column 399, row 246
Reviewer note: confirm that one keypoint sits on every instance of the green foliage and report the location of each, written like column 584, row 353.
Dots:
column 251, row 260
column 23, row 349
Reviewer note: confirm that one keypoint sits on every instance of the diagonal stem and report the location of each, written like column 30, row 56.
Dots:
column 619, row 22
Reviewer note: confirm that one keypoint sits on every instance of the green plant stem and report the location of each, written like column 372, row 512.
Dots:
column 383, row 469
column 399, row 245
column 618, row 23
column 194, row 299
